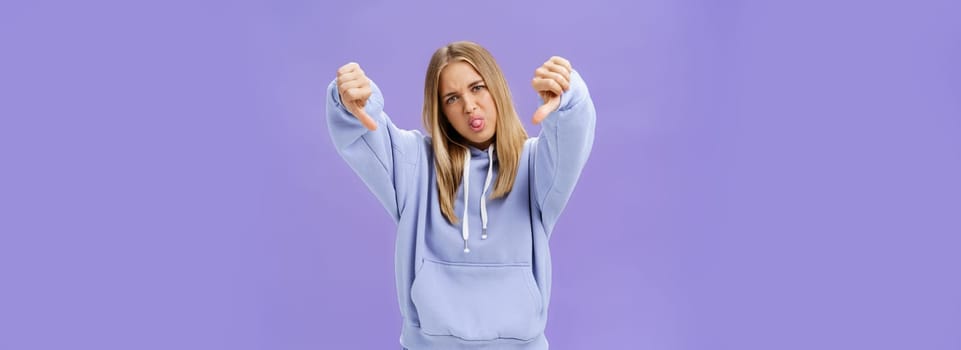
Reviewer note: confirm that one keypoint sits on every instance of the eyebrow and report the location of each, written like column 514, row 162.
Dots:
column 478, row 81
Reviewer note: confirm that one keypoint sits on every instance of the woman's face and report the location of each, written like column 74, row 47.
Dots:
column 467, row 104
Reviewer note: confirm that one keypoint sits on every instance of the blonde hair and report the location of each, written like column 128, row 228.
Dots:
column 449, row 146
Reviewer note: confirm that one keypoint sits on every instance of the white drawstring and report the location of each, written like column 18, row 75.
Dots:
column 465, row 229
column 487, row 184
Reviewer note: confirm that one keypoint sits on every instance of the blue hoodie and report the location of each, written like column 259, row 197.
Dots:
column 496, row 295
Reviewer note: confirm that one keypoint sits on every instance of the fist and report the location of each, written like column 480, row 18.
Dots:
column 551, row 79
column 354, row 89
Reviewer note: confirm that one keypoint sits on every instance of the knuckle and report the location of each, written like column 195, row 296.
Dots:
column 347, row 68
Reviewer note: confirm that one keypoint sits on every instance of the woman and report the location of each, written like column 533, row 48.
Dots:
column 475, row 200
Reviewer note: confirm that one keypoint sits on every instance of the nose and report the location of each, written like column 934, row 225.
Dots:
column 470, row 104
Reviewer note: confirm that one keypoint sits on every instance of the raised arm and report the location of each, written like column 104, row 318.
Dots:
column 383, row 155
column 566, row 137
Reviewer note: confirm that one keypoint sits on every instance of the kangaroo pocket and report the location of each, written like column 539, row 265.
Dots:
column 478, row 301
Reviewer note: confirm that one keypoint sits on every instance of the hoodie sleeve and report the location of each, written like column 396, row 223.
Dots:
column 385, row 159
column 562, row 149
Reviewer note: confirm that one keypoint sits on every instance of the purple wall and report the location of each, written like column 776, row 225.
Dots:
column 765, row 176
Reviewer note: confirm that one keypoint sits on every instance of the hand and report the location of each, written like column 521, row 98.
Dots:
column 550, row 80
column 354, row 89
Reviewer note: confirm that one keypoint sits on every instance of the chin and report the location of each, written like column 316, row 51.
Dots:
column 479, row 140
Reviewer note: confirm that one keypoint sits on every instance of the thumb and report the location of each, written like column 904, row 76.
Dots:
column 357, row 109
column 543, row 111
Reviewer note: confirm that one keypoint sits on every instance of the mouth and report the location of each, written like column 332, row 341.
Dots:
column 477, row 124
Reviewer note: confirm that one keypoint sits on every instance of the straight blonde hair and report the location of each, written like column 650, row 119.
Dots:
column 450, row 148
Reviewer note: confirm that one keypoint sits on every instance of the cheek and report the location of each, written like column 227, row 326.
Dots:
column 492, row 109
column 447, row 111
column 489, row 100
column 456, row 123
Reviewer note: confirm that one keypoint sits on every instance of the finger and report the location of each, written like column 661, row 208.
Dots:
column 546, row 109
column 550, row 69
column 547, row 85
column 353, row 75
column 357, row 109
column 352, row 84
column 360, row 94
column 564, row 82
column 562, row 61
column 350, row 67
column 556, row 68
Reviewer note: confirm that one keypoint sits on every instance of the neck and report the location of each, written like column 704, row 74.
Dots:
column 481, row 146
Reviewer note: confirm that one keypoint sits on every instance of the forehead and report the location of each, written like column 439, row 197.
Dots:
column 457, row 75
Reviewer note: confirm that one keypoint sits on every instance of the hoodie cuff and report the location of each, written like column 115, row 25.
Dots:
column 575, row 94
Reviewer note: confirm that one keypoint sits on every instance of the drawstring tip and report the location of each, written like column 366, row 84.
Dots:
column 466, row 250
column 484, row 234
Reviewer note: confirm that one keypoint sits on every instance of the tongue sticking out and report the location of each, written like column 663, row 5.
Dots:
column 476, row 123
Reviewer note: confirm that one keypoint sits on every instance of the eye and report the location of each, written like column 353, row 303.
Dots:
column 451, row 100
column 478, row 87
